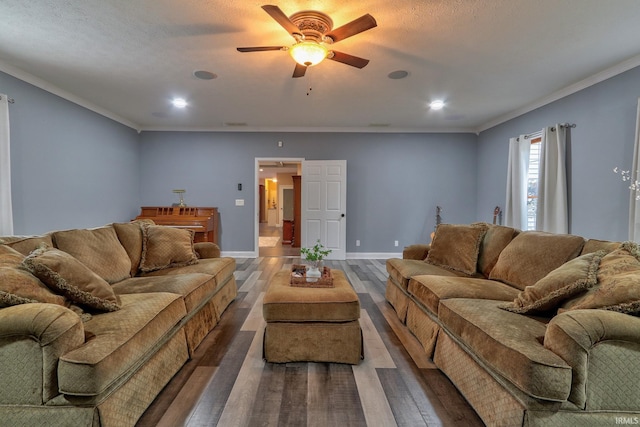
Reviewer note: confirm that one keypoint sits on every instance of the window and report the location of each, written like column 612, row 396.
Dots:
column 532, row 182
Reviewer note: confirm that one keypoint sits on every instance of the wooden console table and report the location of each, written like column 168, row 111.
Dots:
column 202, row 220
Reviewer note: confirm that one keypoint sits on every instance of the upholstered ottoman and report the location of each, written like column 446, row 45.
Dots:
column 312, row 324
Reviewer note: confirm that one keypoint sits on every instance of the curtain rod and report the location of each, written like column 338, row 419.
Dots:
column 553, row 129
column 9, row 100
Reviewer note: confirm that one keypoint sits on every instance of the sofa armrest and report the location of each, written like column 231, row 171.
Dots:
column 32, row 339
column 207, row 250
column 417, row 251
column 603, row 349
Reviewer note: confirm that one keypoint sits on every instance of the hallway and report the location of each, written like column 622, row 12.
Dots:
column 279, row 250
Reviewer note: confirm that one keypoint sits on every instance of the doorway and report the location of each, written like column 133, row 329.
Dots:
column 275, row 201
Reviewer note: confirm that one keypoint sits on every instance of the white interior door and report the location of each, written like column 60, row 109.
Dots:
column 324, row 205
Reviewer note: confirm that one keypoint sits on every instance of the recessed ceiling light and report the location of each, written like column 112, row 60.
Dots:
column 438, row 104
column 204, row 75
column 399, row 74
column 179, row 102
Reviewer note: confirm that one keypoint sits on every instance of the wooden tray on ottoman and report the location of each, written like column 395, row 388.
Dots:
column 325, row 281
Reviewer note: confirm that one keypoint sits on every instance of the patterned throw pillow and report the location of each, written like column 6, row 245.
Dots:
column 99, row 249
column 568, row 280
column 618, row 287
column 130, row 236
column 66, row 275
column 165, row 247
column 456, row 247
column 531, row 255
column 9, row 257
column 18, row 286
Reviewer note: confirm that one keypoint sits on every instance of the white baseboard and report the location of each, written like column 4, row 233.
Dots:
column 373, row 255
column 239, row 254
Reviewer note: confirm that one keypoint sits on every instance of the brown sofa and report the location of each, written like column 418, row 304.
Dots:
column 533, row 328
column 95, row 322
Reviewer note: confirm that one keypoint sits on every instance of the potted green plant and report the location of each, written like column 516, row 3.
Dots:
column 314, row 255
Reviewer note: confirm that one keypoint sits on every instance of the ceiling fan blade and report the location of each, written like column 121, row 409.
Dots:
column 345, row 58
column 276, row 13
column 258, row 48
column 299, row 70
column 364, row 23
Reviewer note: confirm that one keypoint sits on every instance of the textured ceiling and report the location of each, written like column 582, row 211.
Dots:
column 486, row 59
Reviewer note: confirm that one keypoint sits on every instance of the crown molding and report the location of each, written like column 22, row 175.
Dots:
column 608, row 73
column 46, row 86
column 293, row 129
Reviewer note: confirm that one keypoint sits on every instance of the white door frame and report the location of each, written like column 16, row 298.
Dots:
column 256, row 217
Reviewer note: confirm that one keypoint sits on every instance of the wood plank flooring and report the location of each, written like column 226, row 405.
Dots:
column 227, row 383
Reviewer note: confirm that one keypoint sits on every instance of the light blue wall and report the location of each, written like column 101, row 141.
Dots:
column 74, row 168
column 70, row 167
column 605, row 118
column 394, row 181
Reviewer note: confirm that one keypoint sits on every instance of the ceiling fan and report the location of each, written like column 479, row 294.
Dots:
column 313, row 32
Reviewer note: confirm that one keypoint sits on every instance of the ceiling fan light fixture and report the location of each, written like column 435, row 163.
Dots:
column 308, row 53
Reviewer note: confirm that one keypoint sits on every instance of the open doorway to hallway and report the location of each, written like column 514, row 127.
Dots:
column 277, row 180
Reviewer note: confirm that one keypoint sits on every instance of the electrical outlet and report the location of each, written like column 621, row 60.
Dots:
column 357, row 242
column 395, row 243
column 239, row 202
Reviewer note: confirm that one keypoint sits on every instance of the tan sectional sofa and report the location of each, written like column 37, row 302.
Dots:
column 533, row 328
column 95, row 322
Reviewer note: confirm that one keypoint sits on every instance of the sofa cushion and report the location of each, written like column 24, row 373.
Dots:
column 618, row 283
column 493, row 243
column 69, row 277
column 165, row 247
column 509, row 344
column 25, row 245
column 221, row 268
column 430, row 290
column 18, row 286
column 401, row 270
column 569, row 279
column 456, row 247
column 118, row 343
column 531, row 255
column 97, row 248
column 130, row 237
column 195, row 288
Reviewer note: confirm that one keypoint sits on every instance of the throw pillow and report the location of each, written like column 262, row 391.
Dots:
column 25, row 245
column 618, row 287
column 66, row 275
column 164, row 247
column 456, row 247
column 18, row 286
column 594, row 245
column 99, row 249
column 531, row 255
column 130, row 236
column 564, row 282
column 9, row 257
column 494, row 241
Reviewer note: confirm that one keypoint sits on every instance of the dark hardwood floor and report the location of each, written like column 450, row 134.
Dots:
column 227, row 383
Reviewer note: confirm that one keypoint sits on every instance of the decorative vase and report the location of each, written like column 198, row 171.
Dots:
column 313, row 272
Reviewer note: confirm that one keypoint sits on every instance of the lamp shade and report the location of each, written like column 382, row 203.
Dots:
column 308, row 53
